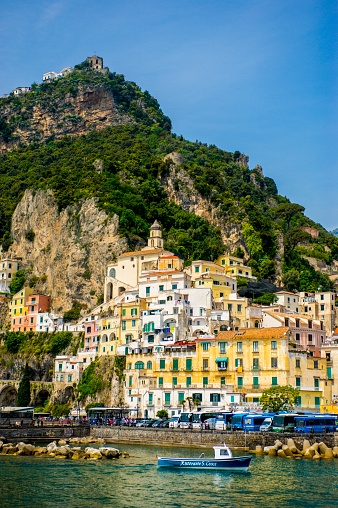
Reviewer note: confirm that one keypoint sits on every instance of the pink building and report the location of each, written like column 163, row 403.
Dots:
column 34, row 305
column 312, row 231
column 308, row 334
column 91, row 342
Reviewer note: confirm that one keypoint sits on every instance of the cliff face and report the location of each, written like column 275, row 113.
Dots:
column 91, row 108
column 71, row 248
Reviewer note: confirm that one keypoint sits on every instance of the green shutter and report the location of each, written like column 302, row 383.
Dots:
column 175, row 364
column 317, row 401
column 160, row 381
column 174, row 381
column 205, row 381
column 274, row 381
column 188, row 364
column 167, row 398
column 130, row 381
column 188, row 381
column 255, row 381
column 328, row 371
column 240, row 381
column 162, row 364
column 180, row 397
column 150, row 398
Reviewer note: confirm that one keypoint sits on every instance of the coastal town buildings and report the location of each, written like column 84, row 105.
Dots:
column 8, row 268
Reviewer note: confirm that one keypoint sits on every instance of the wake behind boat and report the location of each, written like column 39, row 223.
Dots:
column 223, row 460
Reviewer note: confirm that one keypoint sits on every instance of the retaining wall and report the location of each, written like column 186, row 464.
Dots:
column 43, row 433
column 204, row 439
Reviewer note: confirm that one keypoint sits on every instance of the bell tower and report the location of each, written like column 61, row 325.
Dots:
column 155, row 241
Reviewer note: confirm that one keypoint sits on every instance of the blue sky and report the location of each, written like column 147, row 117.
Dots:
column 258, row 76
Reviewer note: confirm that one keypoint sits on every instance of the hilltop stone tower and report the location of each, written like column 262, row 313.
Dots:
column 95, row 62
column 155, row 241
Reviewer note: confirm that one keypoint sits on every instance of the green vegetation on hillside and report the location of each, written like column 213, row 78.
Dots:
column 40, row 343
column 131, row 183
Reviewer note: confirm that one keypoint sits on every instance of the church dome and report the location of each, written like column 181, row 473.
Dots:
column 156, row 225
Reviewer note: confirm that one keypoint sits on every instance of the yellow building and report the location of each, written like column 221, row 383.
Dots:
column 234, row 266
column 17, row 305
column 236, row 305
column 124, row 327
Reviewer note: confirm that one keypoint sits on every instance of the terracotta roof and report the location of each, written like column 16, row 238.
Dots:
column 282, row 315
column 254, row 333
column 140, row 252
column 285, row 293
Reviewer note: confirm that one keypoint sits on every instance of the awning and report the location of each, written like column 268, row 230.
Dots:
column 222, row 359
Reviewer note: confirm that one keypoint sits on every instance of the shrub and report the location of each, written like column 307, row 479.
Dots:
column 18, row 281
column 13, row 341
column 59, row 341
column 30, row 235
column 73, row 314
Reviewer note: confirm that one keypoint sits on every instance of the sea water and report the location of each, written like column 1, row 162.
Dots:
column 137, row 482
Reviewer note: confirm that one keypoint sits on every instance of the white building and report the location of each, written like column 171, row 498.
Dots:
column 288, row 300
column 8, row 268
column 49, row 76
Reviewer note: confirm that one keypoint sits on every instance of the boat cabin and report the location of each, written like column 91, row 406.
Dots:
column 222, row 452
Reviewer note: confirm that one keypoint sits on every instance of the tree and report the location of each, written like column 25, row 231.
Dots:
column 287, row 211
column 291, row 279
column 162, row 413
column 293, row 237
column 266, row 299
column 279, row 398
column 18, row 281
column 24, row 391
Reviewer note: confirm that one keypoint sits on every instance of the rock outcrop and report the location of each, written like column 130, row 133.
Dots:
column 70, row 249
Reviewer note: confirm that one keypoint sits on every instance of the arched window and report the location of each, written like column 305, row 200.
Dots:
column 139, row 365
column 112, row 272
column 149, row 365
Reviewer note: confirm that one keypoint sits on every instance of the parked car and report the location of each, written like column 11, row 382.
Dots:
column 173, row 422
column 165, row 424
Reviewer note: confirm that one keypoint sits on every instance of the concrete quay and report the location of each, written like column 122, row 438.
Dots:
column 205, row 438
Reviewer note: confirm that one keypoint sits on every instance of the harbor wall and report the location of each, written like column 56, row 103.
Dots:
column 204, row 439
column 28, row 434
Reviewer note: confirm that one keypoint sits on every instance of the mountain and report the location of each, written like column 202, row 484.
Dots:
column 334, row 232
column 89, row 162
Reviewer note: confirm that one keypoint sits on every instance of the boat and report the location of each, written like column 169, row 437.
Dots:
column 223, row 460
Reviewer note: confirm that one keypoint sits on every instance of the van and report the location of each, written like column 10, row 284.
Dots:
column 173, row 422
column 266, row 425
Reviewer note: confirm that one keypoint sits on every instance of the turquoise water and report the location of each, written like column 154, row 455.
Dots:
column 137, row 483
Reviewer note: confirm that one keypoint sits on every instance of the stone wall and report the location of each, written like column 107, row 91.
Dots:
column 194, row 438
column 42, row 433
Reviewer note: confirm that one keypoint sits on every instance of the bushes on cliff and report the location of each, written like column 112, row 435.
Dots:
column 59, row 342
column 14, row 340
column 18, row 282
column 91, row 381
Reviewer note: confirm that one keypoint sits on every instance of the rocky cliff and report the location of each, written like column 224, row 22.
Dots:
column 91, row 108
column 71, row 248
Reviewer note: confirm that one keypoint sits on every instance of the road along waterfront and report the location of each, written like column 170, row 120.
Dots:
column 136, row 482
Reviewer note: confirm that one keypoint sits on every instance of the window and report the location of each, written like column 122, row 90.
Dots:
column 255, row 346
column 175, row 310
column 123, row 325
column 32, row 320
column 222, row 381
column 197, row 269
column 147, row 291
column 205, row 346
column 316, row 382
column 205, row 381
column 239, row 308
column 134, row 312
column 298, row 380
column 229, row 306
column 286, row 321
column 273, row 344
column 162, row 364
column 175, row 364
column 139, row 365
column 239, row 382
column 221, row 295
column 69, row 378
column 150, row 399
column 167, row 399
column 181, row 395
column 130, row 381
column 215, row 397
column 297, row 363
column 297, row 336
column 255, row 365
column 322, row 307
column 61, row 377
column 60, row 367
column 310, row 324
column 201, row 312
column 239, row 347
column 174, row 381
column 123, row 312
column 310, row 337
column 205, row 364
column 222, row 347
column 238, row 362
column 161, row 288
column 255, row 381
column 188, row 364
column 274, row 381
column 322, row 297
column 188, row 381
column 297, row 323
column 317, row 401
column 173, row 286
column 315, row 364
column 274, row 363
column 160, row 382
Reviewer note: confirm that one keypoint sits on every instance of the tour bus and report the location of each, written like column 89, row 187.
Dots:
column 306, row 424
column 252, row 422
column 237, row 420
column 223, row 421
column 185, row 420
column 199, row 418
column 284, row 422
